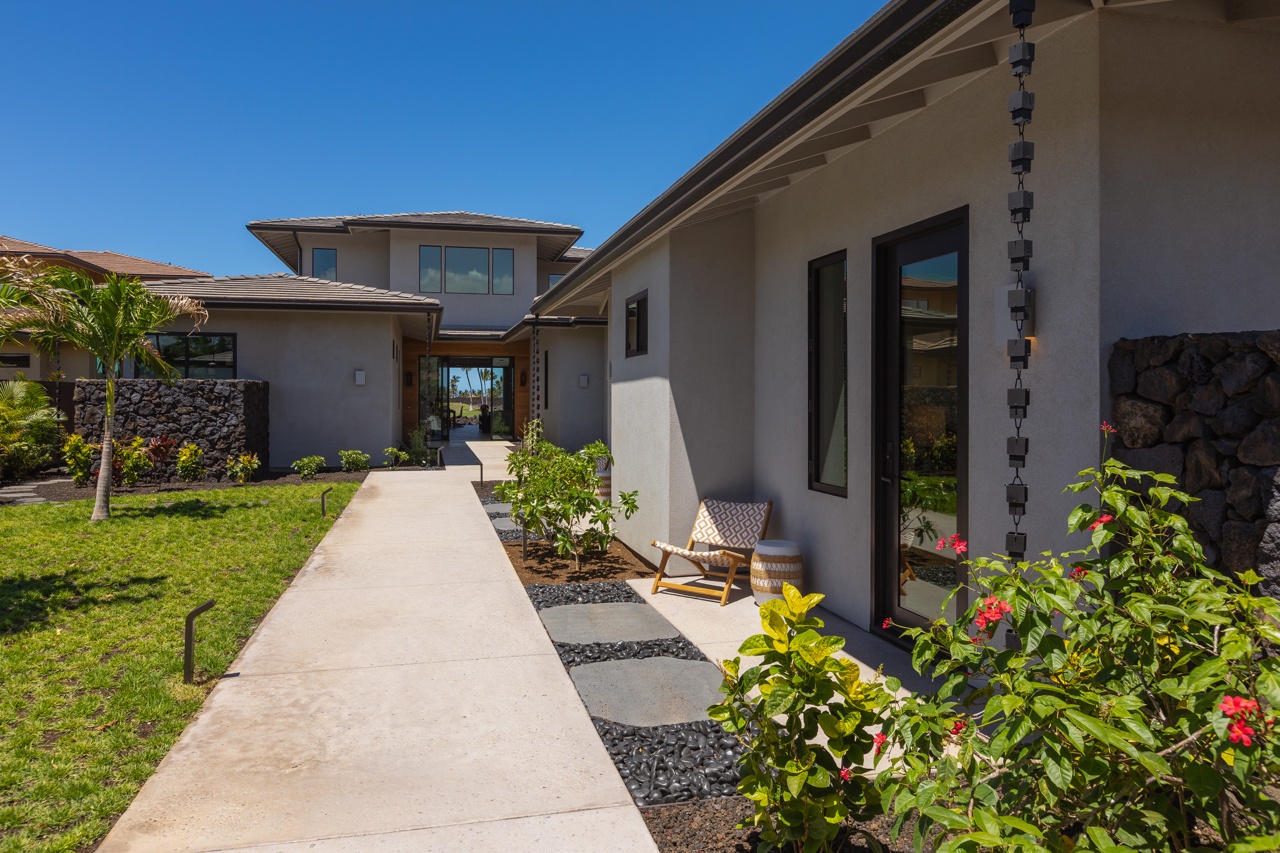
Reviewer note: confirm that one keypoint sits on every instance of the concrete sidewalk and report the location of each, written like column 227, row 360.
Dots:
column 401, row 695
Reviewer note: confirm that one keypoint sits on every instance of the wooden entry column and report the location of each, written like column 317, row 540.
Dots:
column 517, row 351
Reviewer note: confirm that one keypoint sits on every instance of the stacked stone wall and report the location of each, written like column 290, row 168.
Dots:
column 1206, row 408
column 224, row 417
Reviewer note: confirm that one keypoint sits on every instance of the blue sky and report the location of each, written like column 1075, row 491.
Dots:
column 161, row 129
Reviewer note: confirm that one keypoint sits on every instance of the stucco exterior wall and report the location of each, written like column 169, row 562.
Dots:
column 469, row 310
column 362, row 258
column 1190, row 177
column 640, row 406
column 576, row 415
column 310, row 358
column 948, row 156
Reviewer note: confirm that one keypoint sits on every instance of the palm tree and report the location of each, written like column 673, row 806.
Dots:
column 111, row 320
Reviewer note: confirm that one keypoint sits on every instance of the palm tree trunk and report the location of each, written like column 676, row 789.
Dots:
column 102, row 498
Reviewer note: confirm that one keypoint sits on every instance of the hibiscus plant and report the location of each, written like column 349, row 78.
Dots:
column 1120, row 697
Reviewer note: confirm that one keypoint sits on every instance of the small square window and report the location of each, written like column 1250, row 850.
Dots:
column 638, row 324
column 324, row 264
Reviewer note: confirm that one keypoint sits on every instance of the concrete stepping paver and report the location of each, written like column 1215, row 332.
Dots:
column 650, row 692
column 605, row 623
column 401, row 695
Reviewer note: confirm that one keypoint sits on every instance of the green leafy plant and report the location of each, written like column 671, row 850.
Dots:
column 308, row 466
column 110, row 319
column 1132, row 709
column 395, row 456
column 354, row 460
column 29, row 429
column 190, row 464
column 917, row 497
column 555, row 494
column 240, row 468
column 801, row 790
column 941, row 455
column 130, row 461
column 78, row 454
column 418, row 446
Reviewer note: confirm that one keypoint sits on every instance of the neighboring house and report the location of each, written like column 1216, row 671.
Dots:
column 820, row 304
column 19, row 357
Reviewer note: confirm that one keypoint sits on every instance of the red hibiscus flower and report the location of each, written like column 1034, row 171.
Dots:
column 845, row 774
column 885, row 624
column 1102, row 519
column 880, row 738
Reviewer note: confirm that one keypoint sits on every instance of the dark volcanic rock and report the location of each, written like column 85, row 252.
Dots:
column 1140, row 422
column 1202, row 399
column 1186, row 426
column 576, row 654
column 1235, row 420
column 1262, row 446
column 1162, row 384
column 1245, row 493
column 1266, row 396
column 1153, row 352
column 1124, row 378
column 671, row 764
column 1240, row 540
column 1269, row 560
column 1269, row 342
column 1239, row 372
column 1161, row 459
column 1208, row 512
column 1202, row 467
column 554, row 595
column 1194, row 366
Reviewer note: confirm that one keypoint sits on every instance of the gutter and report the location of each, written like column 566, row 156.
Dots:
column 889, row 35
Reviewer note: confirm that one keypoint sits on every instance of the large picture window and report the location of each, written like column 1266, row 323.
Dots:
column 324, row 264
column 828, row 376
column 504, row 272
column 430, row 271
column 466, row 270
column 203, row 356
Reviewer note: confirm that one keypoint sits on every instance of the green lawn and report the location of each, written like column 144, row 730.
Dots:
column 91, row 624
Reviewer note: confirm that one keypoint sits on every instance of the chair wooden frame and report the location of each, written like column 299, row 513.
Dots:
column 735, row 559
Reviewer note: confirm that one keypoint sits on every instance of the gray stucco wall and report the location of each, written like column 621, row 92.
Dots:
column 576, row 416
column 362, row 258
column 310, row 359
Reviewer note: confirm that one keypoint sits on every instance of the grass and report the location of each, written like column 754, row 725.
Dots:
column 91, row 628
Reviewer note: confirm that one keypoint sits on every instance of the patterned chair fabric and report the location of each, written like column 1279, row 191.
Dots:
column 722, row 524
column 709, row 558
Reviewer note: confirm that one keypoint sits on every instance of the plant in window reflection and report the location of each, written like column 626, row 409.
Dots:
column 1131, row 710
column 917, row 497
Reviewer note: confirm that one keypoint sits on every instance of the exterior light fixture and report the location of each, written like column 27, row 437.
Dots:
column 582, row 380
column 359, row 377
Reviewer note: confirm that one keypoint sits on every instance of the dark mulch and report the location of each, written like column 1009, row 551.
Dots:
column 544, row 565
column 68, row 491
column 556, row 595
column 707, row 826
column 576, row 654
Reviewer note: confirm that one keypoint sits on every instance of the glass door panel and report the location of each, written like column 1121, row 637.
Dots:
column 433, row 402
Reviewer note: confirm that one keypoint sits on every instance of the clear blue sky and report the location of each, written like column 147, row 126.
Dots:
column 160, row 129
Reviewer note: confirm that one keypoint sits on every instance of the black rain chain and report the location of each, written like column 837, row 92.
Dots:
column 535, row 375
column 1021, row 303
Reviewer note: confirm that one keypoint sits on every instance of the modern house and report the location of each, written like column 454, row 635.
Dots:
column 387, row 322
column 818, row 312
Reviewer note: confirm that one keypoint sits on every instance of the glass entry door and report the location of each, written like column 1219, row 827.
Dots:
column 920, row 473
column 472, row 396
column 433, row 396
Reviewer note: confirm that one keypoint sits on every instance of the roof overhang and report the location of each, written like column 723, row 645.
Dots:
column 524, row 328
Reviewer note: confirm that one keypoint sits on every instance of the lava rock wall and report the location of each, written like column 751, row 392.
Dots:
column 225, row 417
column 1206, row 408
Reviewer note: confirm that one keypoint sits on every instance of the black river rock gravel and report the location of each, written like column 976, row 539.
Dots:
column 575, row 654
column 545, row 595
column 672, row 764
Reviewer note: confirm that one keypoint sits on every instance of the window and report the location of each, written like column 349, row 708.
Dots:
column 466, row 270
column 195, row 356
column 554, row 278
column 429, row 270
column 828, row 376
column 324, row 264
column 15, row 359
column 638, row 324
column 504, row 271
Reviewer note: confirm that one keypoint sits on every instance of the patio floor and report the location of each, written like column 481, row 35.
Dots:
column 401, row 695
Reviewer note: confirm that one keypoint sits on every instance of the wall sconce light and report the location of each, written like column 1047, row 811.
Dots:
column 582, row 381
column 524, row 378
column 359, row 377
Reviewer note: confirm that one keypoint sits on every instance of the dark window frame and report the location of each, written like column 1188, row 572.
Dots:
column 315, row 249
column 558, row 276
column 444, row 271
column 17, row 360
column 185, row 365
column 641, row 302
column 493, row 255
column 816, row 485
column 439, row 249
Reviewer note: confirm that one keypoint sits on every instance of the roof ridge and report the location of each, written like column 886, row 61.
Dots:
column 359, row 216
column 74, row 252
column 349, row 285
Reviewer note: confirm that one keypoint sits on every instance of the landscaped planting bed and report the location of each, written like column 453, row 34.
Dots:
column 57, row 487
column 91, row 625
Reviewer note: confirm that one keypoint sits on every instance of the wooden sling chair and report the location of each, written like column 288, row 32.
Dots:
column 719, row 525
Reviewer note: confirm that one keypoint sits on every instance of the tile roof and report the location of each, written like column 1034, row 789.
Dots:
column 130, row 265
column 441, row 218
column 575, row 253
column 12, row 244
column 282, row 290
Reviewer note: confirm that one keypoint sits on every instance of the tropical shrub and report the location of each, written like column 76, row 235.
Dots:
column 554, row 493
column 418, row 446
column 190, row 463
column 29, row 431
column 801, row 790
column 78, row 454
column 1131, row 710
column 130, row 461
column 240, row 468
column 308, row 466
column 159, row 449
column 354, row 460
column 395, row 456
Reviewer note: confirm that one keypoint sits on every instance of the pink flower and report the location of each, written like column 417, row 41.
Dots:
column 1108, row 428
column 942, row 543
column 1234, row 706
column 1102, row 519
column 975, row 639
column 845, row 774
column 1241, row 733
column 886, row 623
column 1077, row 572
column 880, row 738
column 991, row 610
column 954, row 542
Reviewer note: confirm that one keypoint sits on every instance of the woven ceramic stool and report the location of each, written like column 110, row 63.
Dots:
column 774, row 562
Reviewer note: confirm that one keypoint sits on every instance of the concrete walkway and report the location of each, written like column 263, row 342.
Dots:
column 401, row 695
